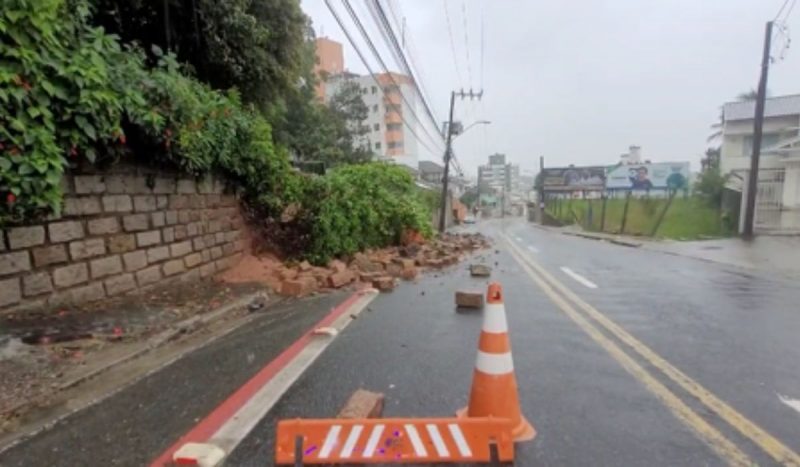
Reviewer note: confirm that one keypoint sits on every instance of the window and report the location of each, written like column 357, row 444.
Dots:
column 374, row 89
column 376, row 127
column 395, row 145
column 394, row 126
column 375, row 108
column 767, row 140
column 363, row 90
column 378, row 145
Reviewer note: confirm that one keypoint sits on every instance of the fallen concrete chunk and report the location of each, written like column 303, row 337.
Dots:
column 469, row 299
column 339, row 279
column 369, row 277
column 480, row 270
column 383, row 283
column 409, row 274
column 394, row 269
column 299, row 287
column 363, row 404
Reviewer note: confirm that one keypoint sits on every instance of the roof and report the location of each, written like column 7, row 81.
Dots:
column 430, row 167
column 774, row 107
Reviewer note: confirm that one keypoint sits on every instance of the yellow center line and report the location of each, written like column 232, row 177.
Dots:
column 768, row 443
column 713, row 438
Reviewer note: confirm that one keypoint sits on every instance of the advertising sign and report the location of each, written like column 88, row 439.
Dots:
column 574, row 178
column 655, row 176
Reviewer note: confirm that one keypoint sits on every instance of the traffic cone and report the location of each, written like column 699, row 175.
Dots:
column 494, row 386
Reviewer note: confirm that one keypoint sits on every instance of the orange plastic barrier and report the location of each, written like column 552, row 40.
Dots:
column 394, row 440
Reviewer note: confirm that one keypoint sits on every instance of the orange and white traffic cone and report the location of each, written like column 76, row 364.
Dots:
column 494, row 386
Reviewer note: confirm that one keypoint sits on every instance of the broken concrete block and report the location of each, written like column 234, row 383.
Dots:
column 339, row 279
column 480, row 270
column 337, row 266
column 383, row 283
column 299, row 287
column 305, row 266
column 289, row 274
column 469, row 299
column 409, row 274
column 363, row 404
column 394, row 269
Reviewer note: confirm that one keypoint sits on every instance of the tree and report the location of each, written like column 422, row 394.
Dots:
column 748, row 96
column 710, row 186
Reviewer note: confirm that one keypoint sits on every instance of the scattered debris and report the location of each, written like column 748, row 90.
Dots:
column 363, row 404
column 469, row 299
column 480, row 270
column 383, row 283
column 325, row 331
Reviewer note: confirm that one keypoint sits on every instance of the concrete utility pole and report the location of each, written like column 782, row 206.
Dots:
column 758, row 124
column 540, row 200
column 448, row 152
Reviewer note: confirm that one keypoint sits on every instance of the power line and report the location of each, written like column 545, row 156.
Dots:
column 369, row 69
column 377, row 55
column 483, row 42
column 466, row 41
column 453, row 44
column 777, row 15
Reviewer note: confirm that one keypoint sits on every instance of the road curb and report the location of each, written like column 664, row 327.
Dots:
column 614, row 240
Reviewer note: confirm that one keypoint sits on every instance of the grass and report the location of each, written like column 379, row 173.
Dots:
column 687, row 218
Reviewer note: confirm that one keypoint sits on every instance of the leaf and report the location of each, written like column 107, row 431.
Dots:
column 91, row 155
column 5, row 164
column 25, row 169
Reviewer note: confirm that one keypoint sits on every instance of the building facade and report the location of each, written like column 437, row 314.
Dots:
column 778, row 197
column 330, row 61
column 498, row 176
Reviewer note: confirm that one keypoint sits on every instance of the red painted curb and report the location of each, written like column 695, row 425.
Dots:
column 213, row 421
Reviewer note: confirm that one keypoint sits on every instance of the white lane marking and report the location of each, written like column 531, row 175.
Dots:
column 533, row 249
column 229, row 435
column 461, row 443
column 372, row 443
column 330, row 441
column 578, row 278
column 494, row 363
column 419, row 448
column 351, row 441
column 438, row 442
column 793, row 403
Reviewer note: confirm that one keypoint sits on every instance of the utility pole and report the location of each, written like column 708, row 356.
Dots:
column 448, row 152
column 758, row 124
column 540, row 200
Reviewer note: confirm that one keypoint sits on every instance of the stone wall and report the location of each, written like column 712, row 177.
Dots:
column 119, row 232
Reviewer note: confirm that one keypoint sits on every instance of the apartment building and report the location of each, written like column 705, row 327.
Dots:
column 330, row 61
column 498, row 175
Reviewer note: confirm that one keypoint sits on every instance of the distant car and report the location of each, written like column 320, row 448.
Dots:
column 470, row 220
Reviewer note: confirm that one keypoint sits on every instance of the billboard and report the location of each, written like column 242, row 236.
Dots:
column 654, row 176
column 574, row 178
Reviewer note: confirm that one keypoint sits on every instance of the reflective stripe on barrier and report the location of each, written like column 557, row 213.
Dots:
column 394, row 440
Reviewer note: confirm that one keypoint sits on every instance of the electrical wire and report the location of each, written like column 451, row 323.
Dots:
column 369, row 69
column 483, row 42
column 453, row 44
column 777, row 15
column 466, row 41
column 385, row 68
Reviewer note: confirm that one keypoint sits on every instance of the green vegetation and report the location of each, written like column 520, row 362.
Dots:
column 687, row 218
column 73, row 94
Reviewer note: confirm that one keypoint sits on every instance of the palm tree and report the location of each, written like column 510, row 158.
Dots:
column 747, row 96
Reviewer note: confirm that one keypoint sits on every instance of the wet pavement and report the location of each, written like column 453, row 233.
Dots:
column 730, row 330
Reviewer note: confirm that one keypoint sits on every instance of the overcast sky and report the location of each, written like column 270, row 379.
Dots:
column 579, row 81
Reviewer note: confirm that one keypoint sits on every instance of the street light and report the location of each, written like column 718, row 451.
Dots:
column 479, row 122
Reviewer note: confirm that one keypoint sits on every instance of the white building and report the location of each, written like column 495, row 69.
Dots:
column 498, row 175
column 389, row 136
column 778, row 199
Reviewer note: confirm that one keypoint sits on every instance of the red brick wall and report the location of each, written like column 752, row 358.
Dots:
column 119, row 232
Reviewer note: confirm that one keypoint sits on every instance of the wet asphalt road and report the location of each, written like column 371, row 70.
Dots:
column 733, row 331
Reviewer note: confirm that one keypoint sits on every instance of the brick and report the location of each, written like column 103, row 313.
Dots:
column 70, row 275
column 209, row 240
column 212, row 200
column 190, row 276
column 362, row 404
column 219, row 238
column 219, row 186
column 82, row 206
column 178, row 201
column 227, row 200
column 232, row 236
column 206, row 185
column 148, row 275
column 193, row 260
column 206, row 254
column 117, row 203
column 25, row 237
column 152, row 237
column 469, row 299
column 65, row 185
column 180, row 232
column 135, row 260
column 480, row 270
column 298, row 287
column 383, row 283
column 184, row 216
column 214, row 227
column 229, row 249
column 83, row 249
column 337, row 265
column 168, row 234
column 162, row 202
column 2, row 241
column 37, row 284
column 180, row 249
column 105, row 266
column 369, row 277
column 119, row 284
column 87, row 293
column 338, row 279
column 121, row 243
column 126, row 184
column 11, row 263
column 216, row 252
column 47, row 255
column 186, row 186
column 144, row 203
column 171, row 217
column 87, row 184
column 9, row 292
column 164, row 185
column 195, row 228
column 409, row 274
column 198, row 243
column 104, row 226
column 65, row 231
column 173, row 267
column 207, row 269
column 158, row 219
column 157, row 254
column 135, row 222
